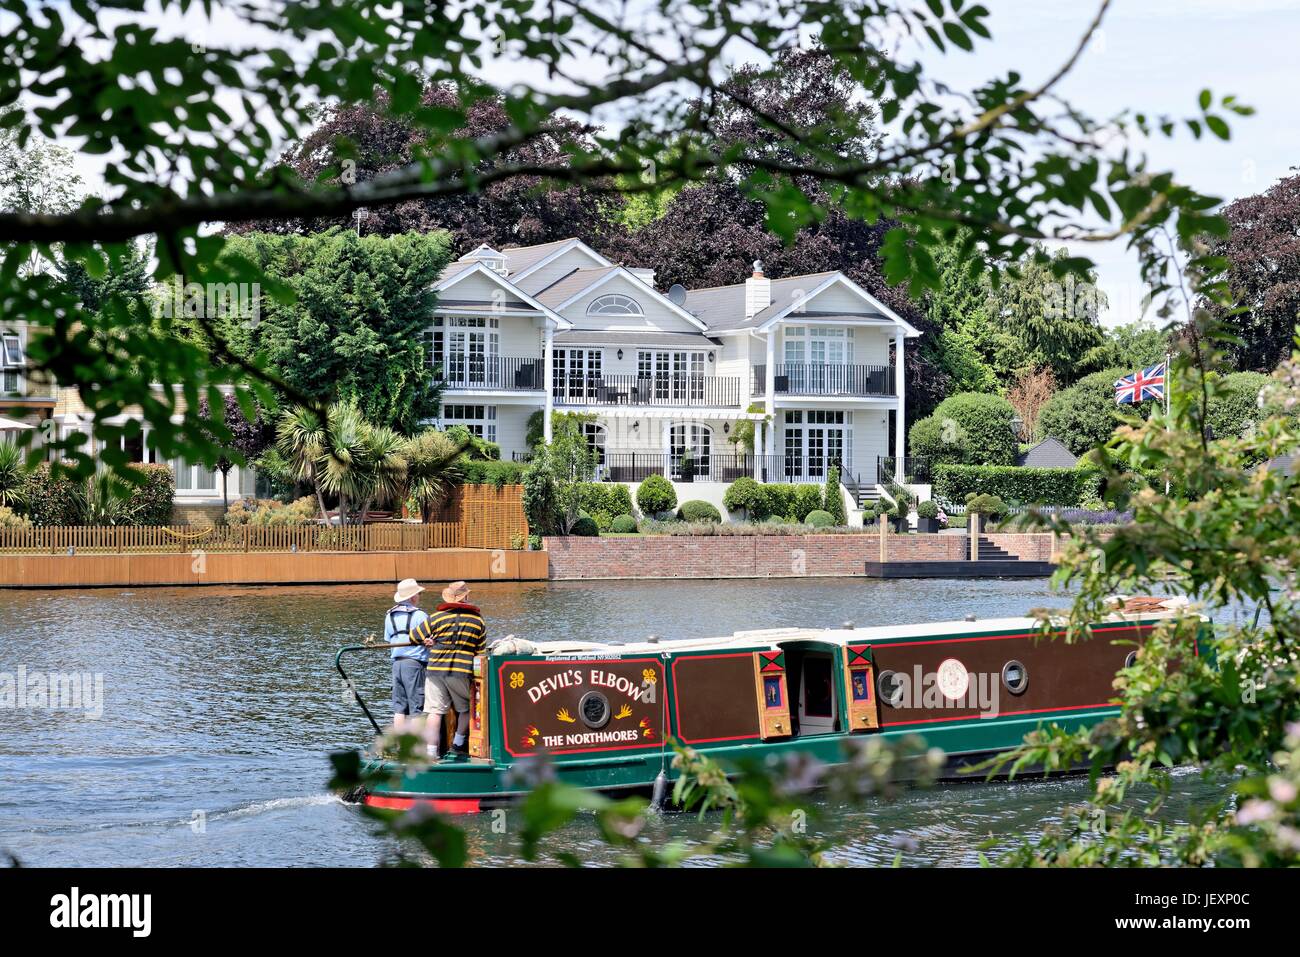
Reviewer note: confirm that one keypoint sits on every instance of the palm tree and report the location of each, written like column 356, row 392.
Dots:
column 301, row 438
column 431, row 468
column 384, row 466
column 13, row 474
column 342, row 468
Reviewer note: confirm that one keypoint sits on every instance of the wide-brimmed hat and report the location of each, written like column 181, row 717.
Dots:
column 407, row 588
column 456, row 591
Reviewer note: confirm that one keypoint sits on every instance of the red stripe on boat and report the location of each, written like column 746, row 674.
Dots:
column 443, row 805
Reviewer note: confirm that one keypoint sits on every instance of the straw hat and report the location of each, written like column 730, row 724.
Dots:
column 456, row 591
column 407, row 588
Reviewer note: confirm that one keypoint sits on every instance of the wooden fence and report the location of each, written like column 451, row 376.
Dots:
column 476, row 517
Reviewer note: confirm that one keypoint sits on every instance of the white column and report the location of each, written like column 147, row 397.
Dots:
column 901, row 414
column 548, row 379
column 667, row 448
column 759, row 428
column 769, row 387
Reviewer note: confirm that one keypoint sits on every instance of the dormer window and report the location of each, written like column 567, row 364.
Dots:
column 485, row 254
column 615, row 305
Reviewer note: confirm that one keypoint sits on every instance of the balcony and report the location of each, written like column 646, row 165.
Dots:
column 824, row 378
column 673, row 391
column 494, row 373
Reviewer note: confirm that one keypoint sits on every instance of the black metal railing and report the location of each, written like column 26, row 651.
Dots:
column 679, row 391
column 916, row 469
column 824, row 378
column 494, row 372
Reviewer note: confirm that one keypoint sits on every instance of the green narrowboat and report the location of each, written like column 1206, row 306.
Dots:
column 605, row 713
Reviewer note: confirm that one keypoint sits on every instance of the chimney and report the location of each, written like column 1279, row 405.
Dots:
column 758, row 291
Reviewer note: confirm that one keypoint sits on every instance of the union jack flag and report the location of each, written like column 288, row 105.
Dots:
column 1144, row 384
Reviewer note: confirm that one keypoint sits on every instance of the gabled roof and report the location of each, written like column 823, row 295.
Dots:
column 723, row 307
column 524, row 260
column 581, row 282
column 449, row 280
column 1050, row 453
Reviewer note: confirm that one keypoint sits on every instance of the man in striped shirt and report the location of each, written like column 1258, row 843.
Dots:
column 454, row 633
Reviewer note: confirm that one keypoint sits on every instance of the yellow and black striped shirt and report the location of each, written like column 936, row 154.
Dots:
column 459, row 633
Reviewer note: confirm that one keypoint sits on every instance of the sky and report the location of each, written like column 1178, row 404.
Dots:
column 1156, row 56
column 1151, row 55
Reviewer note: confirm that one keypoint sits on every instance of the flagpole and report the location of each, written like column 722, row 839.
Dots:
column 1169, row 394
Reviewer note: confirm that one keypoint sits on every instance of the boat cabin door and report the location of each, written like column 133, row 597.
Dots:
column 813, row 668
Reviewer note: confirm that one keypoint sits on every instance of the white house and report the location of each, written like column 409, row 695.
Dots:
column 666, row 373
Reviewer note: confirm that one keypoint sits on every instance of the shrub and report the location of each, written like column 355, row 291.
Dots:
column 978, row 423
column 655, row 495
column 929, row 509
column 11, row 519
column 534, row 543
column 249, row 511
column 13, row 474
column 51, row 501
column 806, row 498
column 1034, row 486
column 747, row 495
column 833, row 501
column 540, row 498
column 780, row 501
column 1236, row 407
column 151, row 503
column 697, row 511
column 491, row 472
column 623, row 524
column 585, row 525
column 820, row 518
column 985, row 504
column 604, row 501
column 929, row 439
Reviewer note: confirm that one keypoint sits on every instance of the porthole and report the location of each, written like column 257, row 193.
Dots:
column 890, row 688
column 1015, row 677
column 594, row 709
column 1131, row 659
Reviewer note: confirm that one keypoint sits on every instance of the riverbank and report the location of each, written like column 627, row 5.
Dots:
column 767, row 556
column 268, row 568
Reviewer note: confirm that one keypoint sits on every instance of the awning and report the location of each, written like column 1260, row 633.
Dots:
column 7, row 424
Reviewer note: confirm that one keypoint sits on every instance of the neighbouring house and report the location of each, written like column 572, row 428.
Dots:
column 1050, row 453
column 669, row 374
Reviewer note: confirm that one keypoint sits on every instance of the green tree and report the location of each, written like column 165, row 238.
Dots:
column 1084, row 415
column 977, row 426
column 568, row 461
column 432, row 469
column 832, row 500
column 354, row 330
column 960, row 312
column 1134, row 346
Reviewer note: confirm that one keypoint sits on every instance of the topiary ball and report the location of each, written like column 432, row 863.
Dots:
column 623, row 524
column 698, row 511
column 819, row 518
column 585, row 525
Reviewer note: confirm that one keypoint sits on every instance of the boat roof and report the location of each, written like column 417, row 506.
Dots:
column 1138, row 609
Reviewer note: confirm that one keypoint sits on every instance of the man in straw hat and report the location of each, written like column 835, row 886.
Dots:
column 454, row 634
column 410, row 659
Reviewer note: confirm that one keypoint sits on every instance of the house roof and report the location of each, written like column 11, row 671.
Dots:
column 450, row 281
column 1050, row 453
column 723, row 307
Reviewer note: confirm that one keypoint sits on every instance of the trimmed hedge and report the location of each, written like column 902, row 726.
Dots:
column 790, row 502
column 970, row 427
column 1012, row 483
column 698, row 511
column 153, row 500
column 655, row 495
column 61, row 501
column 604, row 501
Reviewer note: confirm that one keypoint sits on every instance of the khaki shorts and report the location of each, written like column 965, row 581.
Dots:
column 445, row 692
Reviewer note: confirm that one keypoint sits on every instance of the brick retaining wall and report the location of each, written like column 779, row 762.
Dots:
column 762, row 556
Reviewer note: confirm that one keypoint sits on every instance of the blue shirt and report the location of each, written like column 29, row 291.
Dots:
column 398, row 623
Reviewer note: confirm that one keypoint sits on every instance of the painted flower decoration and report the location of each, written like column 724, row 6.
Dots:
column 516, row 679
column 649, row 675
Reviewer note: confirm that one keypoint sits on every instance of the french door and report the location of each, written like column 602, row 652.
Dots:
column 675, row 375
column 472, row 348
column 816, row 439
column 693, row 438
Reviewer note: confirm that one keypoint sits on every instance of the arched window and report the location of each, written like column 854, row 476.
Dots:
column 615, row 305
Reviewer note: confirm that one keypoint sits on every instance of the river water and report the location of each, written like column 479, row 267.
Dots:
column 220, row 706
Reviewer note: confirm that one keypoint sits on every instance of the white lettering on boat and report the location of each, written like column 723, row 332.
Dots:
column 574, row 678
